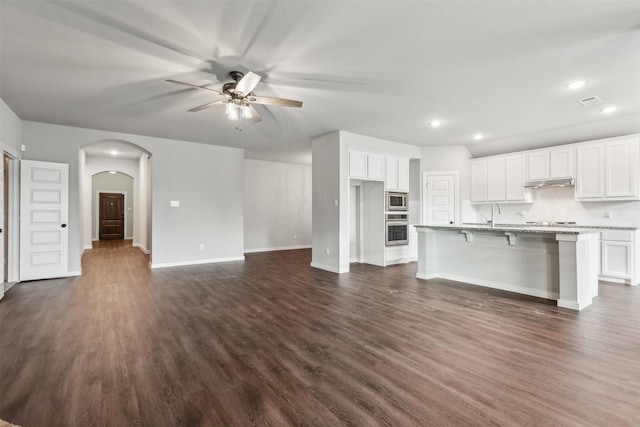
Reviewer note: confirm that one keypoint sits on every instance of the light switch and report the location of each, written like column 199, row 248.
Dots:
column 175, row 203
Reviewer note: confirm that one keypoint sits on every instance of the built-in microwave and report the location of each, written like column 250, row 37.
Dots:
column 397, row 201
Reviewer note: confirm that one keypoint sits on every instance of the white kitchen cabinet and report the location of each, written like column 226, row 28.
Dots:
column 366, row 165
column 499, row 179
column 397, row 173
column 537, row 165
column 396, row 255
column 550, row 163
column 478, row 181
column 561, row 161
column 375, row 164
column 357, row 164
column 403, row 174
column 590, row 171
column 617, row 255
column 515, row 167
column 621, row 168
column 496, row 179
column 608, row 170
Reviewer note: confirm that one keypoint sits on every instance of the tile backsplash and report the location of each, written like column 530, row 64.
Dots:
column 559, row 204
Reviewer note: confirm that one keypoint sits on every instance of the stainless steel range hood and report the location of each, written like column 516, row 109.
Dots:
column 561, row 182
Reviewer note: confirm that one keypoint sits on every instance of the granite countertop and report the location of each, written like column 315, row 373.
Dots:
column 517, row 228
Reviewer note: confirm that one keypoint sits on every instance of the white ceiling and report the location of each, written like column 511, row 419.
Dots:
column 113, row 148
column 377, row 68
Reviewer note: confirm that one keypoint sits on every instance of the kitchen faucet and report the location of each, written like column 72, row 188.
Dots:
column 493, row 213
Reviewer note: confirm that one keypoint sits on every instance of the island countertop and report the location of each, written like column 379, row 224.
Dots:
column 513, row 228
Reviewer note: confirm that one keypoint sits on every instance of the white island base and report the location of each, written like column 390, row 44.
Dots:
column 554, row 264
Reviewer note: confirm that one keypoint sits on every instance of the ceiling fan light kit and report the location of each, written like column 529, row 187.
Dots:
column 239, row 96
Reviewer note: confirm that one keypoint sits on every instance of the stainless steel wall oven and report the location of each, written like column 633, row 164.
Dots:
column 397, row 229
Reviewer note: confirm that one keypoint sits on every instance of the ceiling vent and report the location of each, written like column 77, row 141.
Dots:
column 592, row 100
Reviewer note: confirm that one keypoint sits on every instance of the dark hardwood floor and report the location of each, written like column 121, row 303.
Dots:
column 272, row 341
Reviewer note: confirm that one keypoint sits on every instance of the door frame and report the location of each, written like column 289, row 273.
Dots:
column 13, row 216
column 358, row 213
column 97, row 212
column 425, row 199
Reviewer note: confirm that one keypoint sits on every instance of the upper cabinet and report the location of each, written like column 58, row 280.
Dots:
column 608, row 170
column 479, row 180
column 366, row 165
column 590, row 171
column 604, row 170
column 550, row 163
column 515, row 179
column 397, row 174
column 393, row 170
column 499, row 179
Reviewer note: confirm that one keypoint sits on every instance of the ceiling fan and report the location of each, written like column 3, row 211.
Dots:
column 238, row 97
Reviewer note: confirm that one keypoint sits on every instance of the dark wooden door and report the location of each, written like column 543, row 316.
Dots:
column 111, row 216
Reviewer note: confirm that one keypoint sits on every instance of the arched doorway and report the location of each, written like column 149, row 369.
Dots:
column 119, row 159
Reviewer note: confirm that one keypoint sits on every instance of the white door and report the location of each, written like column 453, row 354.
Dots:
column 440, row 196
column 44, row 206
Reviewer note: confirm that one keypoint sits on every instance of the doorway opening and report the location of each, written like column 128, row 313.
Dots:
column 116, row 194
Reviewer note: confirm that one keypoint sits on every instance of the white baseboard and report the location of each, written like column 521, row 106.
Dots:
column 426, row 276
column 494, row 285
column 195, row 262
column 281, row 248
column 328, row 268
column 142, row 248
column 615, row 280
column 572, row 305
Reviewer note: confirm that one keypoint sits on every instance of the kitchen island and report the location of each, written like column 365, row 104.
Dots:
column 558, row 263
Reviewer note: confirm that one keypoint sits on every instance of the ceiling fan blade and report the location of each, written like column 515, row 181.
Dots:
column 207, row 105
column 248, row 83
column 254, row 115
column 193, row 86
column 274, row 101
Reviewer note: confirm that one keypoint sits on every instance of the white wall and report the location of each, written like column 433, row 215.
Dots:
column 10, row 128
column 206, row 179
column 105, row 182
column 326, row 176
column 142, row 221
column 456, row 158
column 277, row 206
column 352, row 140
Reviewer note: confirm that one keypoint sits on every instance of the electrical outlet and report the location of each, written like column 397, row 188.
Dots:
column 202, row 246
column 327, row 251
column 295, row 237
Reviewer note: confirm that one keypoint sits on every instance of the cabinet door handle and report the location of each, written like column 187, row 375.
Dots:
column 63, row 225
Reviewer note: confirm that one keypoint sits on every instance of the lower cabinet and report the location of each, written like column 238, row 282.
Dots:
column 619, row 256
column 396, row 255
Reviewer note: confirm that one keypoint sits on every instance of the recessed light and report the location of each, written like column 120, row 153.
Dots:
column 113, row 172
column 435, row 123
column 478, row 136
column 577, row 84
column 609, row 109
column 114, row 152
